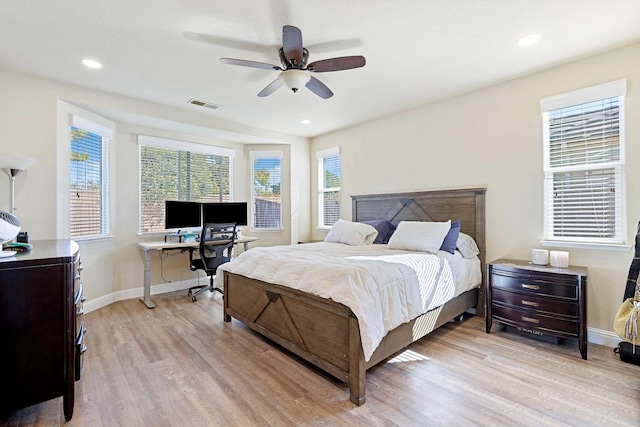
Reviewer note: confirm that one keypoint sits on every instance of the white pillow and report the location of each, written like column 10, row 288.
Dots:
column 467, row 246
column 419, row 236
column 351, row 233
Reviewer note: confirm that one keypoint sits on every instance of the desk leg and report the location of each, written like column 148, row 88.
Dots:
column 146, row 299
column 246, row 246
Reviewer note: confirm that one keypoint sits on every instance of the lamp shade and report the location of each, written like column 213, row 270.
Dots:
column 15, row 162
column 294, row 79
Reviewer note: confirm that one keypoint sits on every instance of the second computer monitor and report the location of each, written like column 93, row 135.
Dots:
column 225, row 212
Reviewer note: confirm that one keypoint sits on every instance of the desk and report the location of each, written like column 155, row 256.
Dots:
column 147, row 247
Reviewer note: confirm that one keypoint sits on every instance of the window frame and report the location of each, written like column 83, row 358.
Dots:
column 89, row 122
column 603, row 92
column 322, row 190
column 263, row 154
column 177, row 145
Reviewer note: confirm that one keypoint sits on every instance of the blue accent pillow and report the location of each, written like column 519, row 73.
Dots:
column 385, row 230
column 449, row 243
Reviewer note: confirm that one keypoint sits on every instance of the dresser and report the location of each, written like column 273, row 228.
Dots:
column 41, row 325
column 539, row 300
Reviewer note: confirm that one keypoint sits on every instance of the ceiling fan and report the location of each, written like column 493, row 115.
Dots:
column 294, row 72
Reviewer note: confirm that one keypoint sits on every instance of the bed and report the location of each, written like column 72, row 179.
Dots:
column 326, row 333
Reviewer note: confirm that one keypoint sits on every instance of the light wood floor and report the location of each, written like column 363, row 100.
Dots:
column 180, row 365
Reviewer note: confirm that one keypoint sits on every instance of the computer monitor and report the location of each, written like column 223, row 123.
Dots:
column 179, row 215
column 225, row 212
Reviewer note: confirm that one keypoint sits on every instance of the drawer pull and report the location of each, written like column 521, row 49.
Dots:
column 530, row 303
column 530, row 319
column 533, row 287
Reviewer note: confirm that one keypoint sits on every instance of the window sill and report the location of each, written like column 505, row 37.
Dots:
column 91, row 239
column 584, row 245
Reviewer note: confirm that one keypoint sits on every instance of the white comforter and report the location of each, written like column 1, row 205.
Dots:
column 384, row 288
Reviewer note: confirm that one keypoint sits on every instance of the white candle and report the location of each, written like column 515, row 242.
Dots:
column 559, row 259
column 539, row 256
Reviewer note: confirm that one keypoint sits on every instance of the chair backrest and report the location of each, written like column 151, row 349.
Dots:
column 216, row 244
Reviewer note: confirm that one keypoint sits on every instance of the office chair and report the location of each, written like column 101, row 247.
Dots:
column 216, row 247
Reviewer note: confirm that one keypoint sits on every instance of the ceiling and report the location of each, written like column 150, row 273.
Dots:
column 417, row 51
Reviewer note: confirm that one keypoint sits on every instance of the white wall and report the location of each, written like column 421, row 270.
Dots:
column 493, row 138
column 29, row 119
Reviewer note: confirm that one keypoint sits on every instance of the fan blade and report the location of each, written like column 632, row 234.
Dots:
column 292, row 44
column 271, row 87
column 252, row 64
column 319, row 88
column 337, row 64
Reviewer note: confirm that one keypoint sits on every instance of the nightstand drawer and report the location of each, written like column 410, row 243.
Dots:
column 536, row 321
column 533, row 302
column 531, row 285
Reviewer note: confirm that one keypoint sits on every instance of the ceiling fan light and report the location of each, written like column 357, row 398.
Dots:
column 294, row 79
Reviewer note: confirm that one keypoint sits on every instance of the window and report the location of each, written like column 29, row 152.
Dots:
column 583, row 135
column 177, row 170
column 328, row 186
column 89, row 178
column 266, row 197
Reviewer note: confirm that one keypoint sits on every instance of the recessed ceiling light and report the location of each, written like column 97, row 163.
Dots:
column 529, row 40
column 91, row 63
column 305, row 122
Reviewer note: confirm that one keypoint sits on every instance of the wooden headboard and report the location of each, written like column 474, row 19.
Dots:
column 467, row 205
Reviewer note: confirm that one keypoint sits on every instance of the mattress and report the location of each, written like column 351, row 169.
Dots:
column 383, row 288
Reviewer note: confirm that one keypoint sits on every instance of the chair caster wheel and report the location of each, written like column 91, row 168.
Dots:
column 193, row 299
column 190, row 292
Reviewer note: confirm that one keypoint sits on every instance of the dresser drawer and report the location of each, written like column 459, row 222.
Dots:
column 533, row 285
column 535, row 302
column 80, row 349
column 536, row 321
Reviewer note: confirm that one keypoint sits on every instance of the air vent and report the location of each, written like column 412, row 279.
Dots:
column 203, row 104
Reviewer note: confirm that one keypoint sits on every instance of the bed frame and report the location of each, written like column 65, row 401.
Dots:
column 326, row 333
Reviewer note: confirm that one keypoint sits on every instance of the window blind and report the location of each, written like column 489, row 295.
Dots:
column 266, row 192
column 176, row 170
column 584, row 171
column 329, row 186
column 89, row 175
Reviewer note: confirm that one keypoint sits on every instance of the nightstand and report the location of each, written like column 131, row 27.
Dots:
column 539, row 300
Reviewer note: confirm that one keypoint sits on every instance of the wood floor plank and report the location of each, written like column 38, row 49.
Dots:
column 180, row 364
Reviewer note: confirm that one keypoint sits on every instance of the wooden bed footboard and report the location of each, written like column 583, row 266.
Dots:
column 321, row 331
column 324, row 332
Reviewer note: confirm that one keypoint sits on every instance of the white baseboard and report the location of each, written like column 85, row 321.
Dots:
column 602, row 337
column 103, row 301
